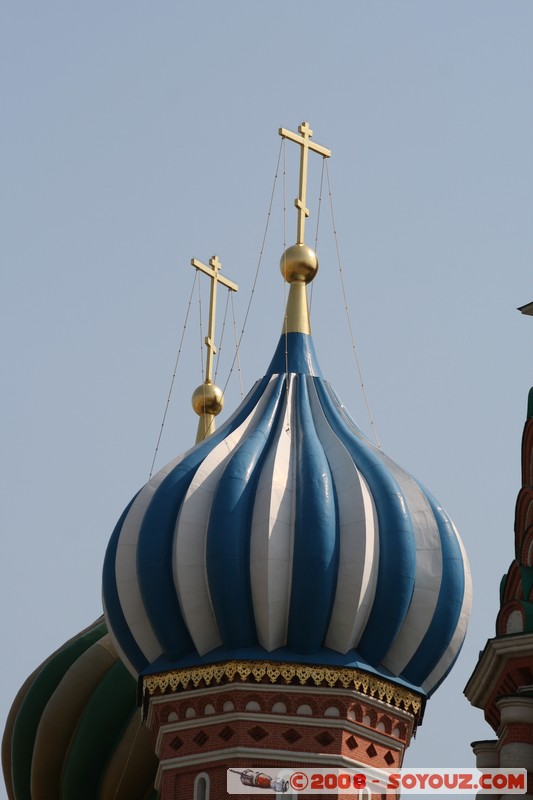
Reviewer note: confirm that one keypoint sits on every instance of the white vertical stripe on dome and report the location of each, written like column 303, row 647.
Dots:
column 428, row 572
column 272, row 538
column 189, row 567
column 129, row 593
column 359, row 540
column 449, row 656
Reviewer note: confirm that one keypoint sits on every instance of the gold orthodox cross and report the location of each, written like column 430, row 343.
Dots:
column 213, row 271
column 304, row 140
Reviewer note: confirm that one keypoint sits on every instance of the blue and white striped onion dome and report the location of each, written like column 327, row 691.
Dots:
column 288, row 536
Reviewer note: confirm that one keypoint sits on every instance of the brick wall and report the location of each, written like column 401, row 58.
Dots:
column 270, row 727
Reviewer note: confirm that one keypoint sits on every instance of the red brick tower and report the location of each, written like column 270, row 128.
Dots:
column 265, row 717
column 502, row 682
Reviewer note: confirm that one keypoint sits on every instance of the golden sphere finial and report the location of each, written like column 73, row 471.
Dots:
column 207, row 399
column 299, row 264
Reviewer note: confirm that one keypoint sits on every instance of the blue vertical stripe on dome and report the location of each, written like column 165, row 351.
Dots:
column 295, row 353
column 228, row 534
column 156, row 538
column 397, row 548
column 316, row 534
column 449, row 603
column 113, row 610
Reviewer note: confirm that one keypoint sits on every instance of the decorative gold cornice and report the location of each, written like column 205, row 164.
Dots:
column 277, row 672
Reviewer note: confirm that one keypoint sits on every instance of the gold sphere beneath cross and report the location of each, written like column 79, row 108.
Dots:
column 208, row 399
column 299, row 264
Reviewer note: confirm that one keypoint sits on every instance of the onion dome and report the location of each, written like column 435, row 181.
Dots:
column 287, row 535
column 74, row 727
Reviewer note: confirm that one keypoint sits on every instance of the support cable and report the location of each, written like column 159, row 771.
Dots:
column 201, row 331
column 236, row 345
column 219, row 350
column 173, row 376
column 317, row 227
column 257, row 269
column 354, row 348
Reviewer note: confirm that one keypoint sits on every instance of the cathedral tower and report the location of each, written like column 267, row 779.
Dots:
column 282, row 595
column 286, row 593
column 502, row 682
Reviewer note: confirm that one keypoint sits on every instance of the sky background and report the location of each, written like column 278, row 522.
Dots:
column 138, row 135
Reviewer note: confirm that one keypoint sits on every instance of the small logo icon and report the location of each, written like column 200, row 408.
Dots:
column 261, row 781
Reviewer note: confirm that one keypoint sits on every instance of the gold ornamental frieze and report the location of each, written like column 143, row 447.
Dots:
column 306, row 675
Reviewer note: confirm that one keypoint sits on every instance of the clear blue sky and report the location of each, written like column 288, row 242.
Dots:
column 137, row 135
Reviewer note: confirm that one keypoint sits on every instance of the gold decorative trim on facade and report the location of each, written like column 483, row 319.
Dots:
column 277, row 672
